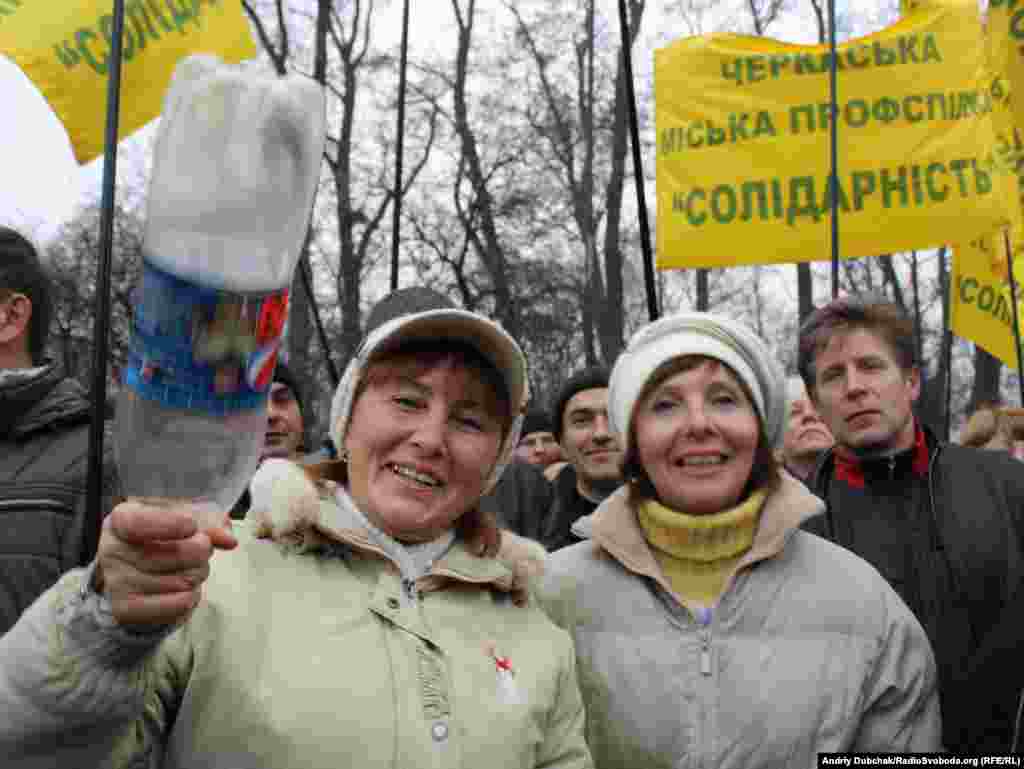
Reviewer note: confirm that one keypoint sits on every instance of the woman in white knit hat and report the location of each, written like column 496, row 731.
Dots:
column 709, row 630
column 361, row 618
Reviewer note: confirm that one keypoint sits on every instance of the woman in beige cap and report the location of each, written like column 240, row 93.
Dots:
column 360, row 619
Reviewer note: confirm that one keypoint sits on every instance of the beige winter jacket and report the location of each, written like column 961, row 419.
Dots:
column 300, row 660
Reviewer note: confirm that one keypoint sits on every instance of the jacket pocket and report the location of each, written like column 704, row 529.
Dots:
column 36, row 526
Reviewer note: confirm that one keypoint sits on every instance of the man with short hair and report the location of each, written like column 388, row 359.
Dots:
column 807, row 437
column 284, row 435
column 283, row 438
column 580, row 420
column 44, row 443
column 943, row 523
column 537, row 444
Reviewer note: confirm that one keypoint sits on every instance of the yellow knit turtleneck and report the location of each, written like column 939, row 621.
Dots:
column 697, row 553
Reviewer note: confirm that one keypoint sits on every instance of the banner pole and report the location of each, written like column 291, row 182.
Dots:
column 833, row 135
column 1016, row 313
column 399, row 145
column 638, row 171
column 947, row 353
column 101, row 313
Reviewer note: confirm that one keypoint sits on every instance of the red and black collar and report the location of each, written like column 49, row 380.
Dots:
column 850, row 468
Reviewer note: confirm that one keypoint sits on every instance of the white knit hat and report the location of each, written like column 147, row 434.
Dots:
column 448, row 324
column 698, row 333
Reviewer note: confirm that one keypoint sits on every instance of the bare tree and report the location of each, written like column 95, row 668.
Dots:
column 477, row 210
column 73, row 256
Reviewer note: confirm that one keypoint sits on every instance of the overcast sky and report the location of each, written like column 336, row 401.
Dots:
column 42, row 183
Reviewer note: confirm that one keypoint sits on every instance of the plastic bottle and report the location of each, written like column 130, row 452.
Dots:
column 235, row 170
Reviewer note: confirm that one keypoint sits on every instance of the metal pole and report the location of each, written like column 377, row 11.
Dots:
column 947, row 351
column 101, row 313
column 1016, row 318
column 638, row 171
column 399, row 145
column 833, row 134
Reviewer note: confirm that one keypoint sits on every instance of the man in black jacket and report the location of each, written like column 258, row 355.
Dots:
column 942, row 523
column 45, row 528
column 594, row 471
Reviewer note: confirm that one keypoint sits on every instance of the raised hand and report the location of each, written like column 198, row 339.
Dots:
column 153, row 560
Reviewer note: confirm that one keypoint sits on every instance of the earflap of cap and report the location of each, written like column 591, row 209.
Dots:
column 493, row 342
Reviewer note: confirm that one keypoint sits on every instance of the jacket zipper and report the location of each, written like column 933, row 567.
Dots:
column 703, row 616
column 409, row 586
column 704, row 725
column 705, row 652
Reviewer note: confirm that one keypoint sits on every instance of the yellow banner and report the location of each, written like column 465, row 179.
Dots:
column 743, row 143
column 980, row 308
column 63, row 47
column 1005, row 35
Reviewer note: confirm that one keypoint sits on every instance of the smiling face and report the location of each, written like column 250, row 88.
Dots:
column 284, row 423
column 422, row 442
column 587, row 441
column 697, row 434
column 863, row 395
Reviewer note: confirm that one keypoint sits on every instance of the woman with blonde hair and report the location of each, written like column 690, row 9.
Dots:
column 995, row 427
column 710, row 630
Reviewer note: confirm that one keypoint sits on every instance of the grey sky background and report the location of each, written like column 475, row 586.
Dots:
column 42, row 183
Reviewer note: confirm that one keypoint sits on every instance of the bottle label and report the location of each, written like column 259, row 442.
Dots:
column 203, row 349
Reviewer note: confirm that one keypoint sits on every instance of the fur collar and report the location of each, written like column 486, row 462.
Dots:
column 303, row 514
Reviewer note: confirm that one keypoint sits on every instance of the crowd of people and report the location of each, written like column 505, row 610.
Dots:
column 689, row 558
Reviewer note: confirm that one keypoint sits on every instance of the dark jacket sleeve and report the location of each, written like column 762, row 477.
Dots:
column 987, row 724
column 520, row 500
column 557, row 531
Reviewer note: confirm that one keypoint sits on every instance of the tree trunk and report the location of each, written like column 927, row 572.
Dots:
column 491, row 252
column 349, row 266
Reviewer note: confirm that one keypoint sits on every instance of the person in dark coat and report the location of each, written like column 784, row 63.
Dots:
column 942, row 523
column 538, row 444
column 594, row 471
column 285, row 427
column 44, row 443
